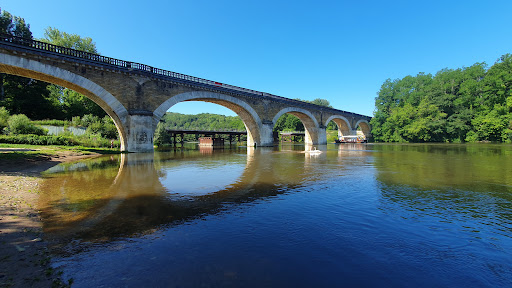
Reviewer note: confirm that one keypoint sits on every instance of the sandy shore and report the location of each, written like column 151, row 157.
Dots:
column 24, row 258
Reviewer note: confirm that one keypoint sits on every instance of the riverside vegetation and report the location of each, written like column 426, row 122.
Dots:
column 468, row 104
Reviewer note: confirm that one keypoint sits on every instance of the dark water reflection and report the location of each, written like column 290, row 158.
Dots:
column 355, row 216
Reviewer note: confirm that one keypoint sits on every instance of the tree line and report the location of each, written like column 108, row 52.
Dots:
column 37, row 99
column 467, row 104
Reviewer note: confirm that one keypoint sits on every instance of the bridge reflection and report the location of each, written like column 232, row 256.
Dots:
column 134, row 194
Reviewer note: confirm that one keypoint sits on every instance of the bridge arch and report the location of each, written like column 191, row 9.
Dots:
column 308, row 120
column 342, row 123
column 15, row 65
column 249, row 116
column 365, row 127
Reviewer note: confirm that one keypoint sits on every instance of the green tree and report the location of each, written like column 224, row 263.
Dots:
column 74, row 41
column 465, row 104
column 4, row 116
column 19, row 94
column 14, row 25
column 71, row 102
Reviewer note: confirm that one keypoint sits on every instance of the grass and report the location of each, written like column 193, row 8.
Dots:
column 39, row 152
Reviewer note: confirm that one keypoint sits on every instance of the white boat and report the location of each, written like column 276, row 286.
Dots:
column 313, row 151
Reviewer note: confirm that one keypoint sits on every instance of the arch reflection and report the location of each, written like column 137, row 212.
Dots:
column 134, row 194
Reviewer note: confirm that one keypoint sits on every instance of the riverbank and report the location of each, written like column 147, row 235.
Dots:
column 24, row 258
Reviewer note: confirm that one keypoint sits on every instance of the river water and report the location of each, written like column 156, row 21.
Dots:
column 353, row 216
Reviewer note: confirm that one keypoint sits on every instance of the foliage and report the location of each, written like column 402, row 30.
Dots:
column 203, row 121
column 38, row 139
column 70, row 103
column 467, row 104
column 21, row 124
column 4, row 116
column 52, row 122
column 74, row 41
column 318, row 101
column 289, row 122
column 332, row 136
column 37, row 99
column 161, row 137
column 14, row 25
column 65, row 140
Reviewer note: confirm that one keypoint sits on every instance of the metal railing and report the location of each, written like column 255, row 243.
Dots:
column 133, row 66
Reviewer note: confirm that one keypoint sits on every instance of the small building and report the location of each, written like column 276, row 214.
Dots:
column 211, row 141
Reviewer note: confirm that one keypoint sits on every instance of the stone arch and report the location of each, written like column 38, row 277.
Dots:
column 248, row 115
column 310, row 123
column 14, row 65
column 365, row 127
column 342, row 123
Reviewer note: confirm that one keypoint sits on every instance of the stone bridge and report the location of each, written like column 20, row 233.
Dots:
column 136, row 96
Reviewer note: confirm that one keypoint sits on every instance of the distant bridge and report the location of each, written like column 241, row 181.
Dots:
column 230, row 134
column 136, row 96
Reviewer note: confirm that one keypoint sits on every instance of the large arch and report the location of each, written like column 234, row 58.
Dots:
column 365, row 127
column 308, row 120
column 248, row 115
column 14, row 65
column 342, row 123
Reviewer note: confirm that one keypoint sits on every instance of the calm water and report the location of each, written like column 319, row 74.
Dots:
column 353, row 216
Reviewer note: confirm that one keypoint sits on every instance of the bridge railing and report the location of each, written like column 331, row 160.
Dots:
column 39, row 45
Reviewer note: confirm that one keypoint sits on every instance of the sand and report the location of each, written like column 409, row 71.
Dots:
column 24, row 257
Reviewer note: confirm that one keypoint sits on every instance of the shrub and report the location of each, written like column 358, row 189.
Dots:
column 76, row 121
column 20, row 124
column 4, row 116
column 95, row 127
column 93, row 141
column 88, row 119
column 52, row 122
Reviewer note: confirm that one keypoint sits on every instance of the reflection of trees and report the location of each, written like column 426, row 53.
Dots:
column 466, row 182
column 456, row 166
column 134, row 201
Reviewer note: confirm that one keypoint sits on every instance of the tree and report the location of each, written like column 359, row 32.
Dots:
column 320, row 102
column 465, row 104
column 71, row 102
column 14, row 25
column 19, row 94
column 74, row 41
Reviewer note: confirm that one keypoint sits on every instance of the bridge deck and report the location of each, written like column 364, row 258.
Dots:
column 46, row 49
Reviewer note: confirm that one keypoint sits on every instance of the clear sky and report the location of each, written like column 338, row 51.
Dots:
column 341, row 51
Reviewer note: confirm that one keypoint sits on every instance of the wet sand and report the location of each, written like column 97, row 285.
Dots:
column 24, row 258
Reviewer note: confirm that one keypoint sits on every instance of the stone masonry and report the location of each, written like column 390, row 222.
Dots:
column 137, row 99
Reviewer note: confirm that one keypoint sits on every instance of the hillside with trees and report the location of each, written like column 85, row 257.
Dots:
column 203, row 121
column 468, row 104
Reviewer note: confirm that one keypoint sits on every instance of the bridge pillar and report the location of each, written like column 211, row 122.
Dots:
column 266, row 135
column 140, row 132
column 322, row 136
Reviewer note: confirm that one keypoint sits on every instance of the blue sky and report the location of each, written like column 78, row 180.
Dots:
column 341, row 51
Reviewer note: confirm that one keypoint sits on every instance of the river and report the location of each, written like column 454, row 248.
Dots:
column 356, row 215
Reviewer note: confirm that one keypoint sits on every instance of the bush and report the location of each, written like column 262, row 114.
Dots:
column 95, row 127
column 21, row 124
column 52, row 122
column 57, row 140
column 88, row 119
column 38, row 140
column 4, row 116
column 76, row 121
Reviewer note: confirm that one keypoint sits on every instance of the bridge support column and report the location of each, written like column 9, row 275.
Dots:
column 266, row 135
column 322, row 136
column 140, row 132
